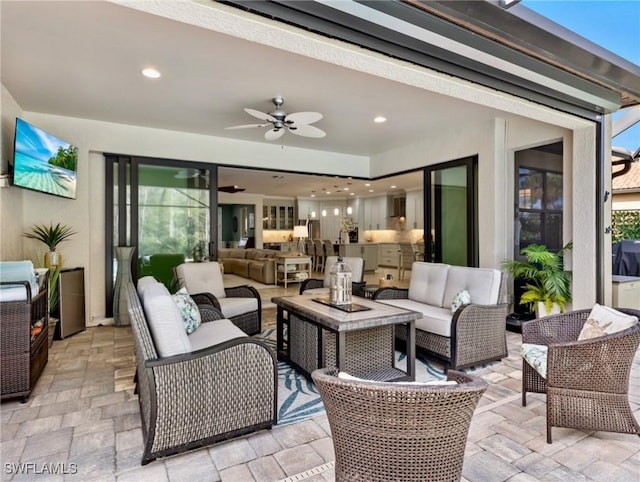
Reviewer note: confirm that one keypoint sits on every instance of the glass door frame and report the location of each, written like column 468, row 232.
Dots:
column 128, row 229
column 471, row 164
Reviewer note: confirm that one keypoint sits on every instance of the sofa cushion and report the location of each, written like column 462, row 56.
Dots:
column 428, row 282
column 604, row 320
column 483, row 284
column 238, row 253
column 188, row 309
column 231, row 307
column 214, row 333
column 144, row 283
column 434, row 319
column 165, row 321
column 201, row 278
column 224, row 253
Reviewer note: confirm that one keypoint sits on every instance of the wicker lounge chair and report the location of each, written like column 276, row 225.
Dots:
column 241, row 304
column 197, row 398
column 587, row 381
column 398, row 431
column 321, row 286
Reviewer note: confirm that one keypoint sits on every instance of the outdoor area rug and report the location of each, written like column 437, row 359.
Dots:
column 298, row 398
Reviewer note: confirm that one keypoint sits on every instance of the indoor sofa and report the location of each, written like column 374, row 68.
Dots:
column 463, row 322
column 199, row 388
column 251, row 263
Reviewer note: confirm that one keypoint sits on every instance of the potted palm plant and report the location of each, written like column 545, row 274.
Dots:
column 548, row 285
column 51, row 236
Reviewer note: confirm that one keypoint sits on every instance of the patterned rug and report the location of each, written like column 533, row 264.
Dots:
column 298, row 398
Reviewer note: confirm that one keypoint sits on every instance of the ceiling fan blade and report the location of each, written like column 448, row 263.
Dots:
column 247, row 126
column 260, row 115
column 307, row 131
column 273, row 134
column 303, row 118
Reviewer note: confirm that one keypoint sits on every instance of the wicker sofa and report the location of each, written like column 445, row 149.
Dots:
column 251, row 263
column 472, row 335
column 197, row 389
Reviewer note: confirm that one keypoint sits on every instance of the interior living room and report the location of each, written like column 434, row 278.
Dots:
column 433, row 125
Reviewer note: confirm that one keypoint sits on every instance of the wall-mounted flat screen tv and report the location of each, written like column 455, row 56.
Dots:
column 42, row 162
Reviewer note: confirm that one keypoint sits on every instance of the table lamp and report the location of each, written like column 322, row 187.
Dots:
column 301, row 233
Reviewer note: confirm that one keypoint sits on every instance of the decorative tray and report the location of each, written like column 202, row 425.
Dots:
column 349, row 308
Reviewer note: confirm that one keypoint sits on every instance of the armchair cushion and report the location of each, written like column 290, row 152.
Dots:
column 604, row 320
column 214, row 333
column 188, row 310
column 201, row 278
column 165, row 321
column 536, row 356
column 231, row 307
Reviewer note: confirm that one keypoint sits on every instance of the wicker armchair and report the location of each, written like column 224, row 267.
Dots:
column 398, row 431
column 240, row 304
column 198, row 398
column 587, row 381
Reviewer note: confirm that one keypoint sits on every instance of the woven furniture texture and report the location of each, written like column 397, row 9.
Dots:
column 199, row 398
column 477, row 333
column 366, row 351
column 587, row 381
column 396, row 431
column 21, row 358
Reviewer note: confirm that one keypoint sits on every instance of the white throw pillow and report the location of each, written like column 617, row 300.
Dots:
column 461, row 298
column 604, row 320
column 188, row 309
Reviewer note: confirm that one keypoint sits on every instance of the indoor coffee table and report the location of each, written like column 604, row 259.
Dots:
column 359, row 342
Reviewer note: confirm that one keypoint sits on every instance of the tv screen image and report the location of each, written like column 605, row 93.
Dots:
column 43, row 162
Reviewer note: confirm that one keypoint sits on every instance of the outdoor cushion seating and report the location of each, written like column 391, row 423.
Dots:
column 469, row 335
column 241, row 304
column 197, row 389
column 321, row 286
column 251, row 263
column 398, row 431
column 586, row 381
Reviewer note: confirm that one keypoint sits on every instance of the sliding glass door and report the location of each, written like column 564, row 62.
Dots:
column 166, row 209
column 451, row 213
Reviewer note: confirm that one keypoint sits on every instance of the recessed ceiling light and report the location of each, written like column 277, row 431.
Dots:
column 370, row 190
column 352, row 194
column 367, row 184
column 380, row 119
column 313, row 195
column 151, row 73
column 345, row 188
column 328, row 192
column 393, row 187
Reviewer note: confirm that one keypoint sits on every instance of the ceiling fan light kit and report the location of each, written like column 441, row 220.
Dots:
column 279, row 121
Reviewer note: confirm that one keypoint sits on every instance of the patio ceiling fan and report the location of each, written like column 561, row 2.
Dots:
column 279, row 121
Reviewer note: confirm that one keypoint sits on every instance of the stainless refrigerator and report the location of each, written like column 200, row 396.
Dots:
column 314, row 229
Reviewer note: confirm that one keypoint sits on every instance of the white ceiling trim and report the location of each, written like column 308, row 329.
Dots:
column 247, row 26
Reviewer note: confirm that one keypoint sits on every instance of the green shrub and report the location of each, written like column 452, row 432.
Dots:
column 625, row 225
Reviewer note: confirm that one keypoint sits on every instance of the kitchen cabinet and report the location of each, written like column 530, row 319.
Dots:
column 277, row 214
column 308, row 209
column 376, row 212
column 367, row 251
column 415, row 209
column 389, row 255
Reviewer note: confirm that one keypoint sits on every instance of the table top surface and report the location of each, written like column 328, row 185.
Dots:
column 338, row 320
